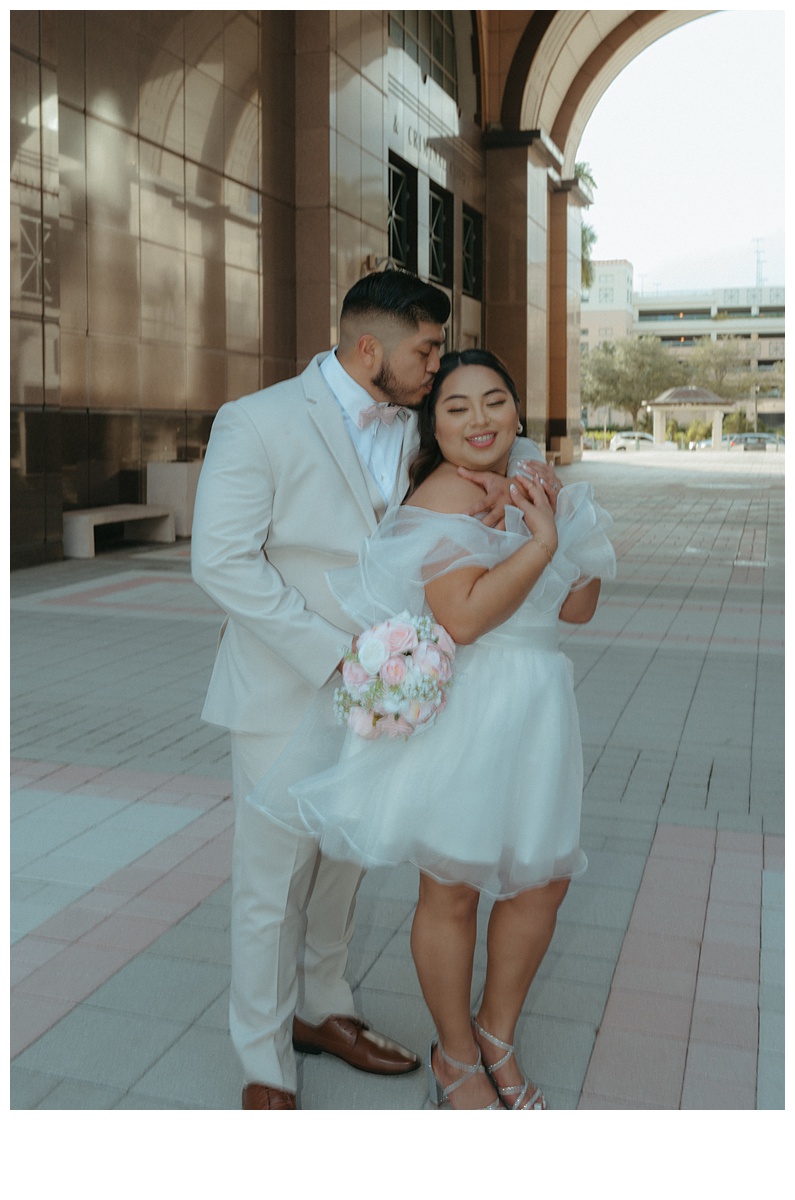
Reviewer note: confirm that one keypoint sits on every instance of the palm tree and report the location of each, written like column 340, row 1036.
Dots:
column 582, row 173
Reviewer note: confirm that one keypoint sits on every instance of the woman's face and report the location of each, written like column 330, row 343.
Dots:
column 476, row 419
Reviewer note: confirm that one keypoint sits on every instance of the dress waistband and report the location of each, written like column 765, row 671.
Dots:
column 528, row 637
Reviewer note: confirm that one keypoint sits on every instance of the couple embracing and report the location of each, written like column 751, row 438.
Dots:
column 388, row 479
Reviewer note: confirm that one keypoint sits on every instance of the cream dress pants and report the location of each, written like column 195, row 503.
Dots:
column 292, row 920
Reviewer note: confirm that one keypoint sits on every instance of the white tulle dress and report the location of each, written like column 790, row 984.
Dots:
column 490, row 794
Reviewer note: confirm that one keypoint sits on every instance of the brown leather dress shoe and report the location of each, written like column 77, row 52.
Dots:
column 351, row 1040
column 261, row 1095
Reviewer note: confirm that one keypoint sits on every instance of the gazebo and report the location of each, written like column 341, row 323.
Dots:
column 689, row 401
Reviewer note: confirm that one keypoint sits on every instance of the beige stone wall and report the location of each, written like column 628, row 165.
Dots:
column 192, row 194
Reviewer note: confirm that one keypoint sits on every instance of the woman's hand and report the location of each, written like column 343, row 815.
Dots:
column 543, row 473
column 536, row 509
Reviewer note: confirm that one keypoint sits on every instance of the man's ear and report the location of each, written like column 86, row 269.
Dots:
column 370, row 350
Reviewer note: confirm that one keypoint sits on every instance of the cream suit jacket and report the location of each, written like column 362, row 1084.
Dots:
column 283, row 497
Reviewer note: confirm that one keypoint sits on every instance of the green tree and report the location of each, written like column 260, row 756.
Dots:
column 583, row 174
column 629, row 374
column 737, row 422
column 699, row 431
column 588, row 238
column 722, row 367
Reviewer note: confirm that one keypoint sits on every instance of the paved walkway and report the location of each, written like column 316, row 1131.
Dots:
column 664, row 985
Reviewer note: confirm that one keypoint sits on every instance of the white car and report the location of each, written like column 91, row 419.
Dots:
column 706, row 444
column 638, row 441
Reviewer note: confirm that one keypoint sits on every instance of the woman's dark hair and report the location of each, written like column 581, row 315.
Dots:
column 429, row 456
column 397, row 294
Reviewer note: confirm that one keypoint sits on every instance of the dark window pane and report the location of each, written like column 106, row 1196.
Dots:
column 472, row 252
column 402, row 215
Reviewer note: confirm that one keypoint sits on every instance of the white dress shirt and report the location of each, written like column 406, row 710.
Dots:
column 378, row 445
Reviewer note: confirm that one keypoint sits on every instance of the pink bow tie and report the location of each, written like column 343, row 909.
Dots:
column 380, row 412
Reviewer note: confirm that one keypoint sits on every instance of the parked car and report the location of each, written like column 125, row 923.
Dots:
column 755, row 441
column 638, row 441
column 706, row 444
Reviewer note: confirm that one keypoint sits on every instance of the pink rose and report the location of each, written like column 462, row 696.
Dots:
column 429, row 659
column 356, row 678
column 400, row 637
column 393, row 671
column 445, row 669
column 444, row 641
column 363, row 724
column 397, row 727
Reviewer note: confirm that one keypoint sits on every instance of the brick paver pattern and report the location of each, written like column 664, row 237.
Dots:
column 664, row 984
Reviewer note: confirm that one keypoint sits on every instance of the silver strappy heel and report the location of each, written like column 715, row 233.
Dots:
column 439, row 1095
column 518, row 1090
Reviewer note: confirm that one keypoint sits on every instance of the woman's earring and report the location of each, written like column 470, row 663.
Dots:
column 519, row 427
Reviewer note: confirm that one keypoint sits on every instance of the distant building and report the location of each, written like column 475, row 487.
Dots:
column 611, row 310
column 606, row 311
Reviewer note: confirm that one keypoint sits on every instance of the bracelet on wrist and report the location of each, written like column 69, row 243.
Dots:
column 538, row 542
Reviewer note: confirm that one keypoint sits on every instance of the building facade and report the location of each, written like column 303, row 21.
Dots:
column 193, row 192
column 753, row 316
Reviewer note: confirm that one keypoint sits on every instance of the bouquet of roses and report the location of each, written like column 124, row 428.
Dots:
column 396, row 679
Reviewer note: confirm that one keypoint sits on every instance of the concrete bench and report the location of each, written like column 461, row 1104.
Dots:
column 142, row 522
column 553, row 457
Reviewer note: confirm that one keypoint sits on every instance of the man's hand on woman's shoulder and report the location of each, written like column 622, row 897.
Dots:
column 494, row 495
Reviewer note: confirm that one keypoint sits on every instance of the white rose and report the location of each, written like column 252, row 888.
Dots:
column 372, row 653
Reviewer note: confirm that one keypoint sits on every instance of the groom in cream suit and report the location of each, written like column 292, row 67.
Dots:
column 295, row 477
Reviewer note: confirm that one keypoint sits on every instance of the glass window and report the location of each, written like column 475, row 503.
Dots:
column 35, row 256
column 472, row 251
column 402, row 218
column 440, row 235
column 429, row 40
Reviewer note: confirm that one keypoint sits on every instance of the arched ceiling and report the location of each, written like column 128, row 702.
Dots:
column 564, row 61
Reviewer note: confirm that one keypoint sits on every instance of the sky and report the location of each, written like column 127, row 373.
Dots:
column 687, row 150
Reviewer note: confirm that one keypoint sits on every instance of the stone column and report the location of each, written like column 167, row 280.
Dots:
column 717, row 430
column 565, row 286
column 659, row 426
column 516, row 271
column 314, row 96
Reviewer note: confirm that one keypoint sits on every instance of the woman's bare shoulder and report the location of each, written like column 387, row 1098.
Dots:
column 445, row 491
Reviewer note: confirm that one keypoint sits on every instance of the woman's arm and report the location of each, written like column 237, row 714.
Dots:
column 473, row 600
column 580, row 606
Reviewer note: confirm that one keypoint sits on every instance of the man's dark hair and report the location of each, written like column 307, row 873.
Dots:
column 397, row 294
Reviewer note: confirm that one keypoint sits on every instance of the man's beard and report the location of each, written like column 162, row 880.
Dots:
column 387, row 383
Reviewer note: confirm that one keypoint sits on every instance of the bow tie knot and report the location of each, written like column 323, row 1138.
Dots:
column 380, row 412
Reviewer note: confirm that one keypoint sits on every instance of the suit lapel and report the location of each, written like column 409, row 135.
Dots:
column 327, row 417
column 411, row 440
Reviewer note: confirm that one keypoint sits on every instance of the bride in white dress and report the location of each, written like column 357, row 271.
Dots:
column 488, row 799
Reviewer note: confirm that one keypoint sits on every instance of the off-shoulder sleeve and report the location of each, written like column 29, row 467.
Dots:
column 583, row 527
column 584, row 550
column 413, row 546
column 410, row 548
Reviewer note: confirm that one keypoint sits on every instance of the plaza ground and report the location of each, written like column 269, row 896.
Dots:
column 664, row 984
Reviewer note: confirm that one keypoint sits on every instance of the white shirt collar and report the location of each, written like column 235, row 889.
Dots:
column 351, row 396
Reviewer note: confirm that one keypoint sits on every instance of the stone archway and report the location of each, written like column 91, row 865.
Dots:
column 558, row 65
